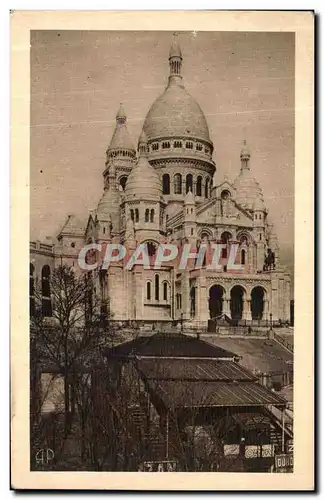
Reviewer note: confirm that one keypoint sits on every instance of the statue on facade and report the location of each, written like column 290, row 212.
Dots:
column 269, row 261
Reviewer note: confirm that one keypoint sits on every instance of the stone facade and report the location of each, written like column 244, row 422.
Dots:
column 165, row 193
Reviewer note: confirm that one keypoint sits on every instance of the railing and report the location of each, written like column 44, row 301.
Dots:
column 247, row 324
column 285, row 343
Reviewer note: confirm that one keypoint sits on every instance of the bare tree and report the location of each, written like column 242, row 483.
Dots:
column 69, row 342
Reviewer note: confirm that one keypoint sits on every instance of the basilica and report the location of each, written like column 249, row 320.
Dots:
column 166, row 191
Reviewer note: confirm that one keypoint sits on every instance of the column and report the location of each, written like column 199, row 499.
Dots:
column 248, row 316
column 185, row 292
column 202, row 300
column 265, row 309
column 245, row 309
column 274, row 300
column 227, row 305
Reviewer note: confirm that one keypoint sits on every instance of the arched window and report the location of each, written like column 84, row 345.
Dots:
column 155, row 146
column 166, row 184
column 177, row 144
column 225, row 194
column 177, row 184
column 165, row 291
column 189, row 181
column 243, row 239
column 199, row 147
column 136, row 215
column 157, row 287
column 198, row 185
column 31, row 290
column 46, row 291
column 243, row 256
column 148, row 290
column 189, row 145
column 122, row 182
column 147, row 215
column 165, row 145
column 151, row 248
column 152, row 215
column 225, row 238
column 207, row 188
column 132, row 214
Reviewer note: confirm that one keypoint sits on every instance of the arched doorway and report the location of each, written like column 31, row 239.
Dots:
column 237, row 297
column 216, row 297
column 257, row 303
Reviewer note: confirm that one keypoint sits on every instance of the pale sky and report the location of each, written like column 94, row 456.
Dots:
column 244, row 83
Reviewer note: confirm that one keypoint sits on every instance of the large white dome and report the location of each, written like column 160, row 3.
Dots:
column 176, row 114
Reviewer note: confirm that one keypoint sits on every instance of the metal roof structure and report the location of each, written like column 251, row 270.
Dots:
column 193, row 370
column 190, row 394
column 168, row 346
column 186, row 372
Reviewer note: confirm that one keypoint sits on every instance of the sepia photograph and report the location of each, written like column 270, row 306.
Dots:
column 162, row 283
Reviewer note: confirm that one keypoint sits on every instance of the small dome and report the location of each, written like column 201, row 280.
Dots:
column 108, row 208
column 247, row 189
column 143, row 181
column 189, row 198
column 121, row 138
column 259, row 204
column 175, row 113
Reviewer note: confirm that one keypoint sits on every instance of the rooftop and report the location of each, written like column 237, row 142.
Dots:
column 257, row 354
column 192, row 369
column 169, row 345
column 175, row 394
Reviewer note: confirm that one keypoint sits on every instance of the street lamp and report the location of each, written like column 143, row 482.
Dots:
column 271, row 321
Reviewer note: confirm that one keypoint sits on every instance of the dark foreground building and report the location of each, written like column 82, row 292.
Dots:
column 172, row 402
